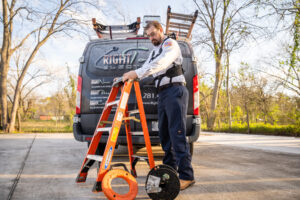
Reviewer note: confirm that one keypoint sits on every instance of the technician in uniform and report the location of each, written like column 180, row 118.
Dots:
column 164, row 63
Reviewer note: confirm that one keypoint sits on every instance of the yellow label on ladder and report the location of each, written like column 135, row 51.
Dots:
column 115, row 134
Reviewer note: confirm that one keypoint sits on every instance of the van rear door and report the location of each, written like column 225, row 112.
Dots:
column 105, row 60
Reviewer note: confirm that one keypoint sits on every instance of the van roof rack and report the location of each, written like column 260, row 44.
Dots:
column 116, row 31
column 182, row 26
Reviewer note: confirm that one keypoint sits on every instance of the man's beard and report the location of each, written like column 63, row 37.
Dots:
column 155, row 42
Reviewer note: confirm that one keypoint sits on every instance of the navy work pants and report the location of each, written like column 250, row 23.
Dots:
column 172, row 110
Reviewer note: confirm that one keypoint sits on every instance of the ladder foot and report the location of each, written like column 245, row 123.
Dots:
column 80, row 179
column 97, row 187
column 133, row 173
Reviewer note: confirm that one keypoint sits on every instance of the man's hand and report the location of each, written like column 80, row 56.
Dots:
column 129, row 75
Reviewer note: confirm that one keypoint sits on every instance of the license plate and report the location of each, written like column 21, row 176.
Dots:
column 154, row 125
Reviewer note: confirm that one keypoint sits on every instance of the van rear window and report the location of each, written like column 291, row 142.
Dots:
column 116, row 57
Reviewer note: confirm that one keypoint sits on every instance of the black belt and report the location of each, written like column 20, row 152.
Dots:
column 161, row 88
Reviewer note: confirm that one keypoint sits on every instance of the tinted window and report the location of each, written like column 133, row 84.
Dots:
column 113, row 58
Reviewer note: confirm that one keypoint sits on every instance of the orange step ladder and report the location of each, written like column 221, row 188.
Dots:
column 105, row 174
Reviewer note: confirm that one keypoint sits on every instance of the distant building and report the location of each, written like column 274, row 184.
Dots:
column 49, row 117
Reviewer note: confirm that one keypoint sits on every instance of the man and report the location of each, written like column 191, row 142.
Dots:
column 164, row 63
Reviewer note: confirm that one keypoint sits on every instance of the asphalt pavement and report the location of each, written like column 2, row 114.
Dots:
column 227, row 166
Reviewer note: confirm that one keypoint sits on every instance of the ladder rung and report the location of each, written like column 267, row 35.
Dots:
column 131, row 118
column 95, row 157
column 137, row 133
column 132, row 112
column 140, row 157
column 106, row 129
column 186, row 17
column 182, row 18
column 182, row 35
column 105, row 122
column 112, row 103
column 180, row 32
column 178, row 25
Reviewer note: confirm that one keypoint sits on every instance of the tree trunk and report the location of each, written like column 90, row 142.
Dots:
column 3, row 94
column 4, row 63
column 248, row 121
column 19, row 121
column 214, row 101
column 0, row 118
column 227, row 93
column 14, row 111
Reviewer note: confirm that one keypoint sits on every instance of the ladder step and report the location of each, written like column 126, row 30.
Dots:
column 106, row 129
column 140, row 157
column 132, row 112
column 181, row 15
column 180, row 26
column 105, row 122
column 95, row 157
column 131, row 118
column 113, row 103
column 137, row 133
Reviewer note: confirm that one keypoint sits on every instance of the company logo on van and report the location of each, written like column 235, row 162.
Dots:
column 124, row 60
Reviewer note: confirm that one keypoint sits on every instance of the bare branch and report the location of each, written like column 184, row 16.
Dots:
column 23, row 41
column 33, row 88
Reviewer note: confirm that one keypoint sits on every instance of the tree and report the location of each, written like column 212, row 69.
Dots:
column 246, row 87
column 32, row 80
column 223, row 25
column 59, row 18
column 70, row 94
column 205, row 93
column 287, row 62
column 227, row 88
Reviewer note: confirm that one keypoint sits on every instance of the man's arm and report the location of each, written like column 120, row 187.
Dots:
column 129, row 75
column 170, row 52
column 132, row 74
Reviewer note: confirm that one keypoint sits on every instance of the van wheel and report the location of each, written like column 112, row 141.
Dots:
column 191, row 148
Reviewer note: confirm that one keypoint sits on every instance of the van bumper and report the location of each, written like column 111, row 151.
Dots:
column 136, row 140
column 196, row 129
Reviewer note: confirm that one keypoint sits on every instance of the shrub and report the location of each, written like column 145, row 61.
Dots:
column 260, row 128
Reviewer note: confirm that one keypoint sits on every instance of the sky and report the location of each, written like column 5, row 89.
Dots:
column 66, row 50
column 63, row 51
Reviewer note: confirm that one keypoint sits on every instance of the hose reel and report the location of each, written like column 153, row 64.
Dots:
column 162, row 183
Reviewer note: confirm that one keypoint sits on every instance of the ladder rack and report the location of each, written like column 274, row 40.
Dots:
column 182, row 26
column 116, row 31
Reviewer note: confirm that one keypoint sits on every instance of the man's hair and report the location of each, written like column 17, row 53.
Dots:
column 155, row 24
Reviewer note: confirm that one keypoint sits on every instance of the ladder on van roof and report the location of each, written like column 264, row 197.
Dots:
column 181, row 25
column 116, row 31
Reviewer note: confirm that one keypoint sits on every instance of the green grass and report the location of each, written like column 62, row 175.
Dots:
column 39, row 126
column 259, row 128
column 49, row 126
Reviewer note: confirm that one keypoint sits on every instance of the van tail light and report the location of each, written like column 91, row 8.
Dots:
column 78, row 95
column 196, row 102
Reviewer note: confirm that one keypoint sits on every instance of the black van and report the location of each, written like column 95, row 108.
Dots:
column 104, row 60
